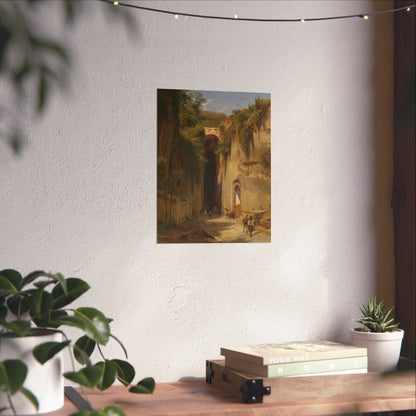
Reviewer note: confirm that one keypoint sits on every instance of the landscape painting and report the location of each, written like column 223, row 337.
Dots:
column 213, row 167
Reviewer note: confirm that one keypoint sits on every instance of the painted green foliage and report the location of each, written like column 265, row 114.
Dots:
column 247, row 120
column 181, row 144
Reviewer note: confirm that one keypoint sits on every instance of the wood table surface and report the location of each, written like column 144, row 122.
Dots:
column 202, row 399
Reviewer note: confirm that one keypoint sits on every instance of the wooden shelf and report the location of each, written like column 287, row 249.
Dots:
column 308, row 396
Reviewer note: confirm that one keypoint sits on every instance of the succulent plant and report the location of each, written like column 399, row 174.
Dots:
column 375, row 318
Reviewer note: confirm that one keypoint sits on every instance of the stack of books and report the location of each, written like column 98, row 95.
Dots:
column 296, row 359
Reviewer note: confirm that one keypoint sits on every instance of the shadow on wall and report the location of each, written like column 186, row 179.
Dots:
column 364, row 245
column 382, row 142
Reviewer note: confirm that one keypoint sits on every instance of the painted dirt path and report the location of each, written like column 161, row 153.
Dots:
column 213, row 229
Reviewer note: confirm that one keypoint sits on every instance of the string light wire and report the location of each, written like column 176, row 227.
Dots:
column 364, row 16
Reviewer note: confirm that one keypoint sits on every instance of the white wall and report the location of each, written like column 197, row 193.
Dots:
column 82, row 197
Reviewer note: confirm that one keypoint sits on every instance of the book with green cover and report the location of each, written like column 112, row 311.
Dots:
column 299, row 368
column 292, row 352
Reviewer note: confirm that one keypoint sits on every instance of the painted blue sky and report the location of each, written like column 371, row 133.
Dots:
column 226, row 102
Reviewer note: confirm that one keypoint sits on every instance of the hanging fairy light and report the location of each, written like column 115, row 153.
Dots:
column 176, row 14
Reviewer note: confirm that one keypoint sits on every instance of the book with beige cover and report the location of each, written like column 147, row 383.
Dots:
column 292, row 352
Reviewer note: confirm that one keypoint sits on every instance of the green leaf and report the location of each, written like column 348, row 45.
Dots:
column 52, row 46
column 6, row 287
column 18, row 327
column 83, row 413
column 55, row 316
column 83, row 349
column 98, row 328
column 75, row 288
column 40, row 304
column 61, row 279
column 54, row 277
column 145, row 386
column 31, row 277
column 43, row 88
column 18, row 305
column 13, row 276
column 108, row 374
column 45, row 351
column 125, row 371
column 12, row 375
column 43, row 284
column 88, row 376
column 75, row 321
column 110, row 411
column 105, row 411
column 20, row 73
column 89, row 320
column 3, row 312
column 30, row 396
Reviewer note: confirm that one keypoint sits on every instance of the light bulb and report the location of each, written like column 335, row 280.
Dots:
column 115, row 3
column 365, row 17
column 408, row 9
column 176, row 16
column 302, row 20
column 235, row 16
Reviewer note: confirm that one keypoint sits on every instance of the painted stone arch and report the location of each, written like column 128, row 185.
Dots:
column 237, row 199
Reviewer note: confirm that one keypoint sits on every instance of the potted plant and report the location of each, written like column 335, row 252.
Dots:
column 34, row 310
column 380, row 335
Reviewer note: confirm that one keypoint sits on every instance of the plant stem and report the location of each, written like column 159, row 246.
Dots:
column 73, row 369
column 101, row 353
column 19, row 310
column 11, row 404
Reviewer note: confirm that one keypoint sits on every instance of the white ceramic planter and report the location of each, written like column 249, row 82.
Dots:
column 383, row 348
column 44, row 381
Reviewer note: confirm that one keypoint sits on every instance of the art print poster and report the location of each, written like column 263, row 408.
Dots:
column 213, row 167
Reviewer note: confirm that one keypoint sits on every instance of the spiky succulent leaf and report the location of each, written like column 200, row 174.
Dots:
column 375, row 318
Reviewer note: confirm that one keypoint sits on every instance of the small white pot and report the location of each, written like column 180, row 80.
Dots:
column 383, row 348
column 44, row 381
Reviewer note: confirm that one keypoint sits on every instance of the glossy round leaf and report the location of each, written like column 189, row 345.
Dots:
column 108, row 374
column 31, row 277
column 105, row 411
column 110, row 411
column 97, row 327
column 13, row 276
column 125, row 371
column 88, row 377
column 12, row 375
column 18, row 305
column 7, row 287
column 29, row 395
column 75, row 288
column 3, row 312
column 18, row 327
column 145, row 386
column 83, row 349
column 54, row 316
column 40, row 303
column 47, row 350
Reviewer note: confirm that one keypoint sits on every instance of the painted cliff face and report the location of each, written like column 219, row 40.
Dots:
column 213, row 167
